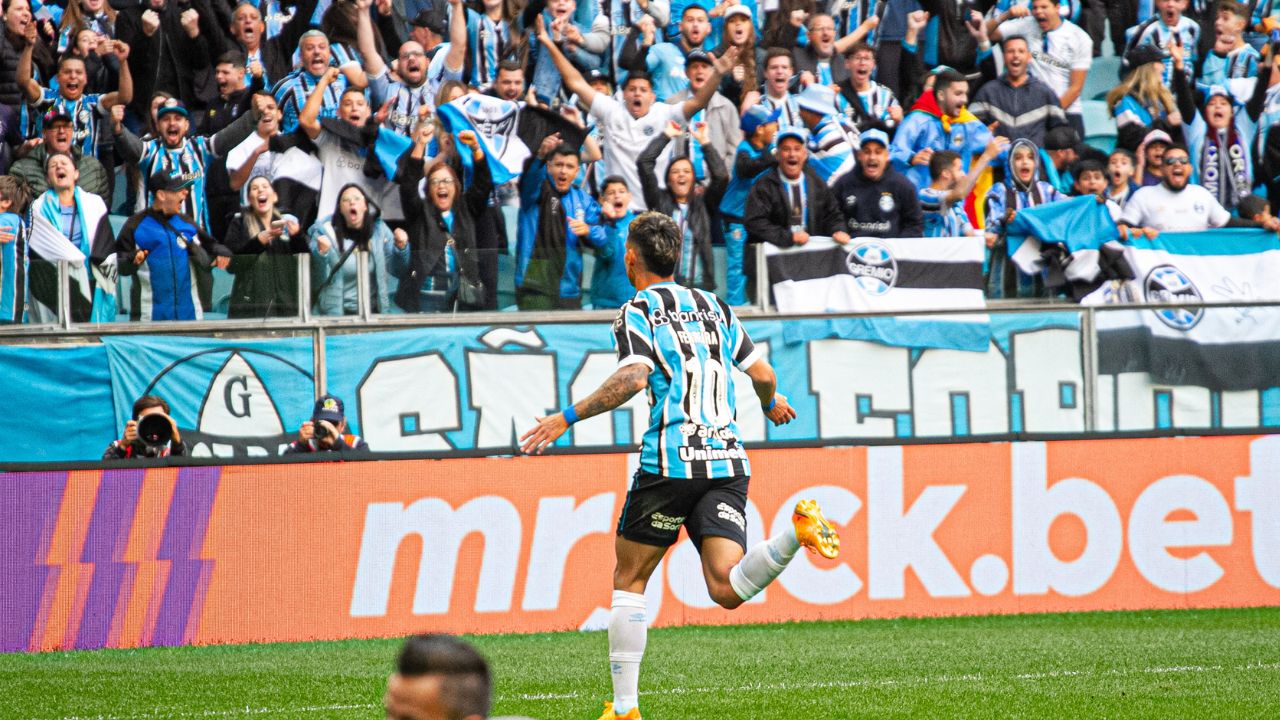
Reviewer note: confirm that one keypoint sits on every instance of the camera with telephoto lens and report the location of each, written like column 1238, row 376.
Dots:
column 154, row 432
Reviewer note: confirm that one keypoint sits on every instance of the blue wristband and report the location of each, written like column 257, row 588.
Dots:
column 570, row 416
column 772, row 403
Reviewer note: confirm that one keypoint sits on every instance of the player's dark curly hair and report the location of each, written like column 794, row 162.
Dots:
column 657, row 240
column 466, row 688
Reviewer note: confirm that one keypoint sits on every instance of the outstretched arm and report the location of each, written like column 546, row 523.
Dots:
column 569, row 74
column 970, row 181
column 621, row 385
column 722, row 65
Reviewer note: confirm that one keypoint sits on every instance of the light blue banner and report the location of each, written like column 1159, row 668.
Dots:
column 478, row 387
column 229, row 397
column 58, row 402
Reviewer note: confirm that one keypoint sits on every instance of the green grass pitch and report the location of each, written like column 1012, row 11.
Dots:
column 1171, row 664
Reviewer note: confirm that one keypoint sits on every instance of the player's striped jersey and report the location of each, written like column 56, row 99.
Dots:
column 689, row 339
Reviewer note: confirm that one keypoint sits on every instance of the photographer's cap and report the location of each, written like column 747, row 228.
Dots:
column 169, row 182
column 328, row 408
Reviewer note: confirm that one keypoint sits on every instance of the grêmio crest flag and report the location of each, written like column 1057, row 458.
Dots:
column 885, row 275
column 1227, row 348
column 508, row 131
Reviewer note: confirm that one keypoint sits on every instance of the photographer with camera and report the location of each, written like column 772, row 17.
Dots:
column 326, row 431
column 150, row 434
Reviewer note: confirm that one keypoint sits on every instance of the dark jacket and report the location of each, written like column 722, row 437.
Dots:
column 806, row 60
column 887, row 208
column 700, row 269
column 428, row 234
column 768, row 211
column 169, row 60
column 732, row 89
column 10, row 48
column 342, row 445
column 956, row 48
column 10, row 95
column 119, row 451
column 266, row 276
column 1026, row 112
column 30, row 167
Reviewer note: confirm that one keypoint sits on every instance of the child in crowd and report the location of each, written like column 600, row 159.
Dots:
column 1091, row 179
column 13, row 201
column 1253, row 207
column 943, row 200
column 1231, row 56
column 610, row 286
column 759, row 127
column 1121, row 167
column 1150, row 155
column 1022, row 188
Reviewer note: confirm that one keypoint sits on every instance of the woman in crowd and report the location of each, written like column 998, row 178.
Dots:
column 442, row 218
column 1141, row 102
column 96, row 16
column 741, row 85
column 686, row 202
column 354, row 225
column 18, row 33
column 264, row 242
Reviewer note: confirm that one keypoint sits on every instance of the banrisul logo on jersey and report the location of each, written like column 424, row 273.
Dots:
column 873, row 267
column 1168, row 284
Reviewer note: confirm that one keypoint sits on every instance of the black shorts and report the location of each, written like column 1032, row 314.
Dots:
column 657, row 506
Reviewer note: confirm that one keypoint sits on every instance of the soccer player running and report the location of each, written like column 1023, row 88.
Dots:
column 678, row 342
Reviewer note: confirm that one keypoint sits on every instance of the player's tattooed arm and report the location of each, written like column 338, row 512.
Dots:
column 621, row 385
column 615, row 391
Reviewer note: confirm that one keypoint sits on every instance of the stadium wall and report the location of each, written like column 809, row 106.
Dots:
column 294, row 552
column 472, row 388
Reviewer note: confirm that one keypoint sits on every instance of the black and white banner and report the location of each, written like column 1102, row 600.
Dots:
column 878, row 275
column 882, row 275
column 1227, row 348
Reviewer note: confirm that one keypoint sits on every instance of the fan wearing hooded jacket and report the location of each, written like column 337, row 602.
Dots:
column 1022, row 188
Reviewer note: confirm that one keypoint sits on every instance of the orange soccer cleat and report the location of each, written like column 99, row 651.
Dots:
column 813, row 531
column 633, row 714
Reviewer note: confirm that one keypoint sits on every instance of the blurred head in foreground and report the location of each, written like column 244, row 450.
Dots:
column 438, row 677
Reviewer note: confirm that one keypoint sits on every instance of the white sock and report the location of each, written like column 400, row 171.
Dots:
column 628, row 631
column 763, row 564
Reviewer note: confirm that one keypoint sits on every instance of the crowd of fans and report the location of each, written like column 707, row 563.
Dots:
column 238, row 136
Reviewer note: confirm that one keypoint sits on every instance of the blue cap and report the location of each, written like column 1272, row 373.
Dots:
column 328, row 407
column 876, row 136
column 792, row 132
column 755, row 116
